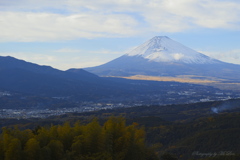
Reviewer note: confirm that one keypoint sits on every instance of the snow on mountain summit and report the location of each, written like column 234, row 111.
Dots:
column 164, row 49
column 163, row 57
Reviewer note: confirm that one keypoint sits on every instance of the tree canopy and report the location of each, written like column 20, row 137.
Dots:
column 111, row 141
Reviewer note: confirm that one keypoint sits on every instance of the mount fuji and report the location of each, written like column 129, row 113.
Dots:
column 162, row 56
column 163, row 49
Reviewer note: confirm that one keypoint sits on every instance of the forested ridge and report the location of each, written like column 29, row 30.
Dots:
column 111, row 141
column 174, row 132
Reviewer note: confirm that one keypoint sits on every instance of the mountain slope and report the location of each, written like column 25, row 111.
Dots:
column 20, row 76
column 13, row 63
column 163, row 49
column 162, row 56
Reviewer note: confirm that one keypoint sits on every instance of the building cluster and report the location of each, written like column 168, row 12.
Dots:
column 186, row 96
column 44, row 113
column 4, row 93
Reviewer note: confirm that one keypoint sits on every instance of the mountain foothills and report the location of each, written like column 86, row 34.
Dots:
column 21, row 76
column 18, row 75
column 25, row 77
column 25, row 81
column 164, row 57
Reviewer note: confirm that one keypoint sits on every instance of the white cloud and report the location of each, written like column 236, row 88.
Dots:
column 33, row 20
column 175, row 16
column 68, row 50
column 108, row 52
column 66, row 58
column 27, row 26
column 232, row 56
column 172, row 15
column 41, row 59
column 60, row 62
column 101, row 51
column 177, row 56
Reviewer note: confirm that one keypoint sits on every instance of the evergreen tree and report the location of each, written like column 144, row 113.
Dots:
column 56, row 148
column 14, row 150
column 32, row 149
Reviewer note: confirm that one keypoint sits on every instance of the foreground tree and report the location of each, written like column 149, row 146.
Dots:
column 14, row 150
column 32, row 149
column 111, row 141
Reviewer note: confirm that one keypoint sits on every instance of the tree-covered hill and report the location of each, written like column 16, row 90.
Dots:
column 183, row 132
column 111, row 141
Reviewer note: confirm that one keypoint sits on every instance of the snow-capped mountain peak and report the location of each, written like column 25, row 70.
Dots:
column 164, row 49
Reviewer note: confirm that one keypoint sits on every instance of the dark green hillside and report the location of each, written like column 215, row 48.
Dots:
column 186, row 132
column 212, row 134
column 111, row 141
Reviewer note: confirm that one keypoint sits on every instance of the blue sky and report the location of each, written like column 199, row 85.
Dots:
column 76, row 33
